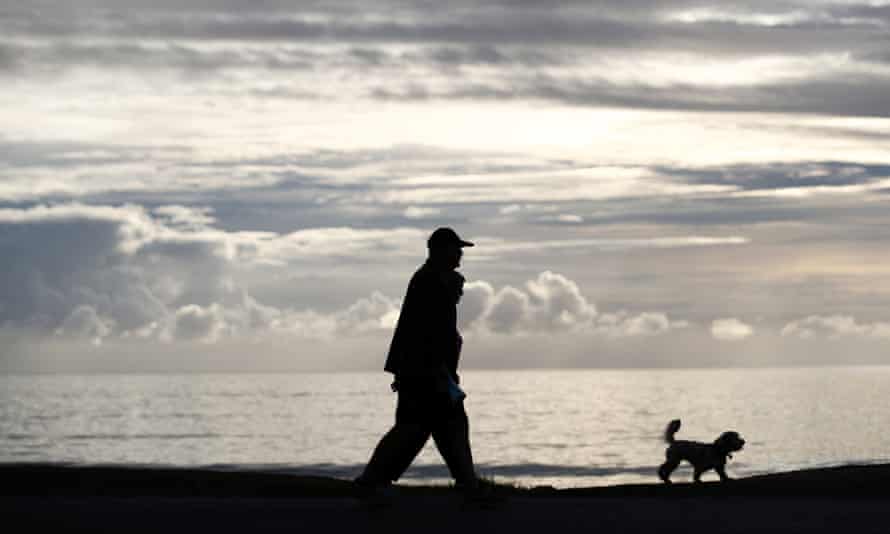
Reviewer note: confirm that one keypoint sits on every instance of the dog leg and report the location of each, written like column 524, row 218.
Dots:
column 696, row 474
column 721, row 470
column 664, row 472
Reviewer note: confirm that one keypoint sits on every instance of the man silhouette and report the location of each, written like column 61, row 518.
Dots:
column 423, row 357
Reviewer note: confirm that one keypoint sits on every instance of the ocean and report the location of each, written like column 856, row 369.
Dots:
column 565, row 428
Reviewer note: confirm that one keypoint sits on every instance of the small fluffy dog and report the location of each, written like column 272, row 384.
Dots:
column 702, row 456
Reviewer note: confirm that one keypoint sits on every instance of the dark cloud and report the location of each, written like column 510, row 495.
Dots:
column 852, row 95
column 520, row 45
column 853, row 218
column 10, row 58
column 40, row 290
column 777, row 176
column 878, row 15
column 609, row 25
column 58, row 57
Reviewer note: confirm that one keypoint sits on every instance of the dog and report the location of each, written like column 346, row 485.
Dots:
column 702, row 456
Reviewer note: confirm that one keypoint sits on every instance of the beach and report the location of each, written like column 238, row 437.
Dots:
column 71, row 498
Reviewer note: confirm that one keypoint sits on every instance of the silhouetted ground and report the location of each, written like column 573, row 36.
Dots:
column 102, row 499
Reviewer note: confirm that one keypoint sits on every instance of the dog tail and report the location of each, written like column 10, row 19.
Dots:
column 671, row 429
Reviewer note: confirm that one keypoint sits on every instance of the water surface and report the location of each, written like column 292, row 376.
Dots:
column 566, row 428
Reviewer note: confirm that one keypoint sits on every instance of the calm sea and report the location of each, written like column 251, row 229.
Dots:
column 565, row 428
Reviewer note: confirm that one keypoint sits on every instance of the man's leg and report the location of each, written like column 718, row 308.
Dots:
column 395, row 452
column 398, row 447
column 452, row 437
column 413, row 438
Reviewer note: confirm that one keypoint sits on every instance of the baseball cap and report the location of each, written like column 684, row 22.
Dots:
column 446, row 236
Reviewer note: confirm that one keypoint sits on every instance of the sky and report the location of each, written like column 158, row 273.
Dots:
column 199, row 185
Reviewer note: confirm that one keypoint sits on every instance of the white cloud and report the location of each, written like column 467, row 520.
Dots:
column 624, row 324
column 730, row 329
column 376, row 312
column 563, row 218
column 550, row 303
column 876, row 186
column 415, row 212
column 508, row 311
column 834, row 327
column 477, row 298
column 188, row 217
column 646, row 324
column 369, row 315
column 557, row 301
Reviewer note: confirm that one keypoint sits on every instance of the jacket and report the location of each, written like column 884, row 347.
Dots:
column 426, row 342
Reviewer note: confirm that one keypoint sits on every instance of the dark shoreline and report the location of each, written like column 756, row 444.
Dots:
column 53, row 498
column 30, row 479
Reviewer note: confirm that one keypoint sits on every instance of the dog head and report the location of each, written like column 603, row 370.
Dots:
column 729, row 442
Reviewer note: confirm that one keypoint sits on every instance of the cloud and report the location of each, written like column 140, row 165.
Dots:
column 624, row 324
column 376, row 312
column 169, row 273
column 730, row 329
column 327, row 187
column 835, row 327
column 825, row 175
column 54, row 58
column 100, row 272
column 550, row 303
column 508, row 311
column 186, row 217
column 126, row 274
column 415, row 212
column 496, row 247
column 85, row 322
column 852, row 93
column 333, row 242
column 57, row 58
column 563, row 218
column 595, row 183
column 746, row 27
column 475, row 303
column 77, row 265
column 802, row 59
column 557, row 301
column 193, row 322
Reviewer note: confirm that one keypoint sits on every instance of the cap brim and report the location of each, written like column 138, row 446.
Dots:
column 463, row 243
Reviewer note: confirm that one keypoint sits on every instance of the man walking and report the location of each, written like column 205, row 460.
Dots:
column 423, row 357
